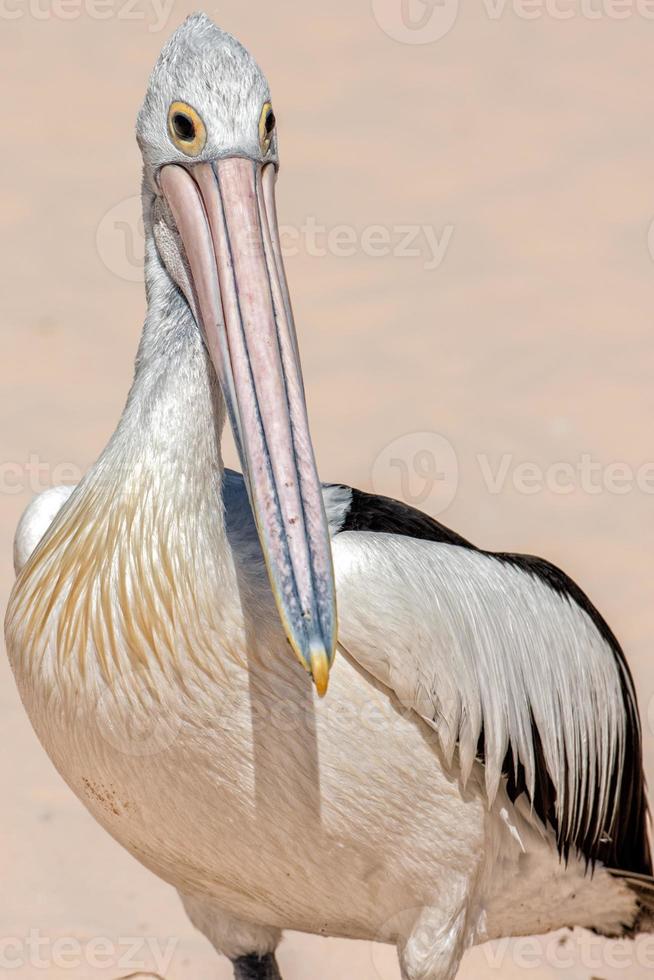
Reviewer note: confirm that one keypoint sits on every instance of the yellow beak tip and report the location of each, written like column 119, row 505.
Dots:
column 320, row 671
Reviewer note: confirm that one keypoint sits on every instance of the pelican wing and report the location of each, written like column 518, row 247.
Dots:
column 36, row 519
column 508, row 661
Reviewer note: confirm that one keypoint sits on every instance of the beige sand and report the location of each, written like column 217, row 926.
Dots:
column 525, row 145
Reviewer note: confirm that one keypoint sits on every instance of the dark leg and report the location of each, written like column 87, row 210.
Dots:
column 256, row 967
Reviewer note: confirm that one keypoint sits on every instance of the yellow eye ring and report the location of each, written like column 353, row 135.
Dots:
column 186, row 130
column 267, row 123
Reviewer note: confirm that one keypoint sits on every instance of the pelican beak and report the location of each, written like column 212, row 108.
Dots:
column 235, row 284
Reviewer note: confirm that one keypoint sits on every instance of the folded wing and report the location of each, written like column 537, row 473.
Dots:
column 507, row 659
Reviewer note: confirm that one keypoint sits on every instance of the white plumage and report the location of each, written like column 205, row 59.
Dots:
column 470, row 640
column 35, row 522
column 476, row 764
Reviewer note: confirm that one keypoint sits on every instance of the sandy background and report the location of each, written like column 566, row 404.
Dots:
column 522, row 139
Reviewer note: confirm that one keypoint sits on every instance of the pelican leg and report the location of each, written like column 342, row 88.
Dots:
column 434, row 946
column 256, row 967
column 250, row 947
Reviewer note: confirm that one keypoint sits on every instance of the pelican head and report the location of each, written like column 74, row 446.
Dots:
column 208, row 137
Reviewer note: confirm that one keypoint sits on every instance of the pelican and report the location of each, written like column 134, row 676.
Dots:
column 476, row 769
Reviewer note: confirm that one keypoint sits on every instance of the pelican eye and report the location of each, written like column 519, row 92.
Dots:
column 267, row 123
column 186, row 129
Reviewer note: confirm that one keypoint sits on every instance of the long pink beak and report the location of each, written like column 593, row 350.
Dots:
column 226, row 217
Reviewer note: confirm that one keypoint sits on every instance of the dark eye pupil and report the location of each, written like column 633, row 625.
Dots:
column 184, row 127
column 270, row 122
